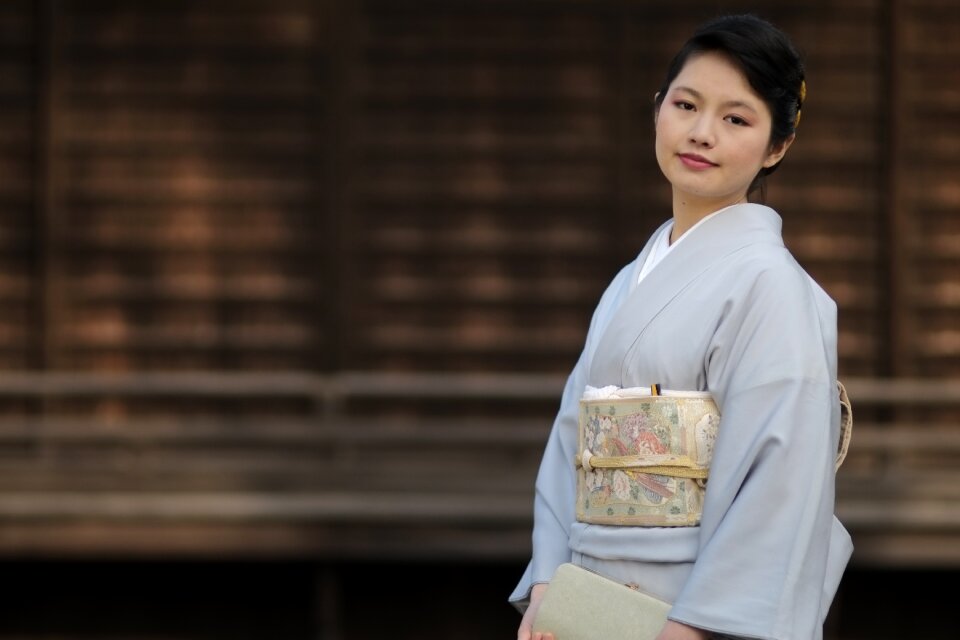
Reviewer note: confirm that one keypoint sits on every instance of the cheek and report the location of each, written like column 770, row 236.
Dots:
column 664, row 125
column 661, row 147
column 751, row 156
column 663, row 134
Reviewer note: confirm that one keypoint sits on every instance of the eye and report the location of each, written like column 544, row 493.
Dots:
column 737, row 120
column 683, row 104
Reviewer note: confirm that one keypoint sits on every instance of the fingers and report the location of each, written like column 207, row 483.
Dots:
column 526, row 634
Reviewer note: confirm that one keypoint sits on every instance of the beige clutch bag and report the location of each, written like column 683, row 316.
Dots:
column 582, row 605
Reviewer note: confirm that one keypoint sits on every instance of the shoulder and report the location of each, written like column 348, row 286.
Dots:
column 777, row 287
column 785, row 275
column 767, row 270
column 778, row 325
column 615, row 291
column 770, row 293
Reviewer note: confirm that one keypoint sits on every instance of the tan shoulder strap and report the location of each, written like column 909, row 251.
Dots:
column 846, row 425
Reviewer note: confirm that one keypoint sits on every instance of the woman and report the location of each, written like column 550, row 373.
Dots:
column 716, row 303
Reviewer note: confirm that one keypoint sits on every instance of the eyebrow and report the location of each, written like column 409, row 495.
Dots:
column 728, row 103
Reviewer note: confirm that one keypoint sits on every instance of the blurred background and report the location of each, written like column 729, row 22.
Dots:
column 288, row 291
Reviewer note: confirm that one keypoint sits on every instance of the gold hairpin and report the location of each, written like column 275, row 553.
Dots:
column 803, row 97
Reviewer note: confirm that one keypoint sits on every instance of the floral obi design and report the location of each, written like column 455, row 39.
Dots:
column 644, row 456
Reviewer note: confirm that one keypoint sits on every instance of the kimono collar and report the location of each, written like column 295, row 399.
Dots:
column 732, row 228
column 720, row 236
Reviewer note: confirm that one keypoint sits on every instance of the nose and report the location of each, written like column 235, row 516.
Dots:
column 702, row 132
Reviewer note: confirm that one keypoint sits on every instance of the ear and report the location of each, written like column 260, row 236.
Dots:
column 777, row 151
column 656, row 108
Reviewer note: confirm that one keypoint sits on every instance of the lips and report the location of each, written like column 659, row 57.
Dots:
column 696, row 161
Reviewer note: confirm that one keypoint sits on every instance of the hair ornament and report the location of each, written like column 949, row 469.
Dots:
column 803, row 97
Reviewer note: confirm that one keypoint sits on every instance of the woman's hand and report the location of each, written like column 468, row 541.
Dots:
column 525, row 632
column 679, row 631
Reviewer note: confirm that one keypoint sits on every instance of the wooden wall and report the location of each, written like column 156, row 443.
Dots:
column 184, row 185
column 267, row 188
column 20, row 287
column 427, row 185
column 505, row 171
column 925, row 191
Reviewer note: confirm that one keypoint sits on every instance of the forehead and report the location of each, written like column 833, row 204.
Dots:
column 715, row 75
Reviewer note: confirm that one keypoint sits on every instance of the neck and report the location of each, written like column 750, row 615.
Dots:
column 689, row 211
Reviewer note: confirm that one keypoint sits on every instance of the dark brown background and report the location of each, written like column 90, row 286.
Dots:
column 291, row 191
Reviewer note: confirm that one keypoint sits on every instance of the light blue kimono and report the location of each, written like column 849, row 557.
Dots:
column 730, row 311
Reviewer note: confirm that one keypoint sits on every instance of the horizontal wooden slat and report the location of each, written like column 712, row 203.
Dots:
column 242, row 540
column 907, row 439
column 264, row 507
column 872, row 391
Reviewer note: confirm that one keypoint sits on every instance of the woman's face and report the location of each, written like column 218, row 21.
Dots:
column 713, row 133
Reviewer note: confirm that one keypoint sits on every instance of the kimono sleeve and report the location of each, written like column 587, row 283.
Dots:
column 554, row 509
column 554, row 498
column 768, row 509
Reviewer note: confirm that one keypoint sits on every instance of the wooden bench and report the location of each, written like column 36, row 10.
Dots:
column 380, row 466
column 267, row 465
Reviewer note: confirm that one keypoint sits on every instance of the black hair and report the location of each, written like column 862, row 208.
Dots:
column 767, row 58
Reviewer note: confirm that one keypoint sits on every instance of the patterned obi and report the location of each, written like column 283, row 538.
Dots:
column 644, row 456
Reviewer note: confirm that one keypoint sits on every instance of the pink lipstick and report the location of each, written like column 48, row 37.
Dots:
column 694, row 161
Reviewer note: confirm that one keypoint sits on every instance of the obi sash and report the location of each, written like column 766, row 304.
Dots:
column 644, row 456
